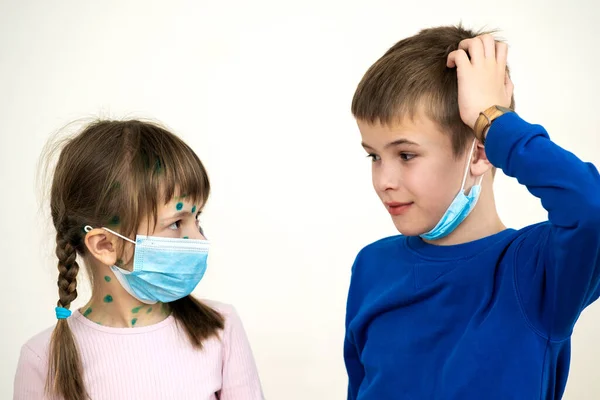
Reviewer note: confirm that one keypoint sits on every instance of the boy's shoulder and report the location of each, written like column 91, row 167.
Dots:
column 398, row 243
column 384, row 244
column 381, row 248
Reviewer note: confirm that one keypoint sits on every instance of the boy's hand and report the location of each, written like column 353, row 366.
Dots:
column 482, row 81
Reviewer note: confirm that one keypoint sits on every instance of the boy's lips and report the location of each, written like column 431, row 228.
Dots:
column 397, row 208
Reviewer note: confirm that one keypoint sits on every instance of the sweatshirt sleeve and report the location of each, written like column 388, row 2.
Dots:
column 30, row 378
column 557, row 269
column 354, row 367
column 240, row 374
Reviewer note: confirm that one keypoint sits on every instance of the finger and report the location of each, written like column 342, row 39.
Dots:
column 508, row 84
column 501, row 54
column 458, row 59
column 474, row 48
column 489, row 46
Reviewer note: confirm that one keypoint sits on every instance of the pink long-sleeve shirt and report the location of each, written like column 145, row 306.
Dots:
column 150, row 362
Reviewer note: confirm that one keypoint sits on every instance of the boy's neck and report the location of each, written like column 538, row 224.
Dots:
column 482, row 222
column 112, row 306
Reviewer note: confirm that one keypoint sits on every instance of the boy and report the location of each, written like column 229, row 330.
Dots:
column 458, row 306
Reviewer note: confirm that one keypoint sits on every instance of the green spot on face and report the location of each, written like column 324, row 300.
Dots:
column 179, row 206
column 133, row 321
column 136, row 310
column 87, row 312
column 107, row 278
column 193, row 209
column 108, row 298
column 149, row 310
column 186, row 237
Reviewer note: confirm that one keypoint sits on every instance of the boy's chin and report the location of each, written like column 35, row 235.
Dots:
column 407, row 230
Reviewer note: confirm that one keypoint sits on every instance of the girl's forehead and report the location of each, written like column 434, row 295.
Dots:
column 181, row 203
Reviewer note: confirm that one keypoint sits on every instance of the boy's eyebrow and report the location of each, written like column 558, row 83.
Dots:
column 391, row 144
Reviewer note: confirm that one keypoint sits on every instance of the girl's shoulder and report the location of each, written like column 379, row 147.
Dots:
column 224, row 309
column 233, row 322
column 39, row 343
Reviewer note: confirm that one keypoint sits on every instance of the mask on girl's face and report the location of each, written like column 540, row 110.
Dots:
column 459, row 209
column 164, row 269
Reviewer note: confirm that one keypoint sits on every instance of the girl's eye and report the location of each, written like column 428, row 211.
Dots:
column 407, row 156
column 175, row 225
column 373, row 157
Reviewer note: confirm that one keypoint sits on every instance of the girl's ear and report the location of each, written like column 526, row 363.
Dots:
column 102, row 246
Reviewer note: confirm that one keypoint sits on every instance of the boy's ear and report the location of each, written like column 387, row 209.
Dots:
column 100, row 246
column 480, row 163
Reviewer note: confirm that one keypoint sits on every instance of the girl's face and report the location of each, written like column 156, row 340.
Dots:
column 177, row 219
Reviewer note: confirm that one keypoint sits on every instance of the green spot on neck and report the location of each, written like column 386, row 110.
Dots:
column 179, row 206
column 87, row 312
column 133, row 321
column 186, row 237
column 107, row 278
column 137, row 309
column 149, row 310
column 108, row 298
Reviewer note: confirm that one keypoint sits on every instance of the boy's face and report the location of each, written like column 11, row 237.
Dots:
column 415, row 172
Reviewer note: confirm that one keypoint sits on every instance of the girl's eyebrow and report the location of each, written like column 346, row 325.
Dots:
column 178, row 214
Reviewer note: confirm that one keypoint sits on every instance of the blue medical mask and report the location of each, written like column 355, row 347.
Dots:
column 459, row 209
column 164, row 269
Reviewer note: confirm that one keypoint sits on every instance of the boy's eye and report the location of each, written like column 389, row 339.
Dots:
column 407, row 156
column 373, row 157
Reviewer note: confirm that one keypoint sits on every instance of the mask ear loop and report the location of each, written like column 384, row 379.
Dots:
column 88, row 228
column 464, row 180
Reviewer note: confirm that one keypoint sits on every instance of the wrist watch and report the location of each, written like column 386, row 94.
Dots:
column 486, row 118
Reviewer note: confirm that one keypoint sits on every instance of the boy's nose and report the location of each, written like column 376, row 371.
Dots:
column 386, row 178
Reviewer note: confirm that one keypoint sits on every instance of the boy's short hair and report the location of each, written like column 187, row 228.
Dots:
column 412, row 76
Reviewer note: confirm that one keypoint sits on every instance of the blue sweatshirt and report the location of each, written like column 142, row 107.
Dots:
column 488, row 319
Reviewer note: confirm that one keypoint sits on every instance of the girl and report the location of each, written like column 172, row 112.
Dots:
column 125, row 200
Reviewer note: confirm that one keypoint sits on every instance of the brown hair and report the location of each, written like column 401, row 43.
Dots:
column 412, row 75
column 116, row 173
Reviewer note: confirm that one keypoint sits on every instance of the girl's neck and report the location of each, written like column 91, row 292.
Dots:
column 111, row 305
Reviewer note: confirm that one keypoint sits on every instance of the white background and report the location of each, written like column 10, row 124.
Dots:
column 261, row 90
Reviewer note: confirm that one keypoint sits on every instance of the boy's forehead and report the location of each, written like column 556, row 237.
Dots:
column 418, row 129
